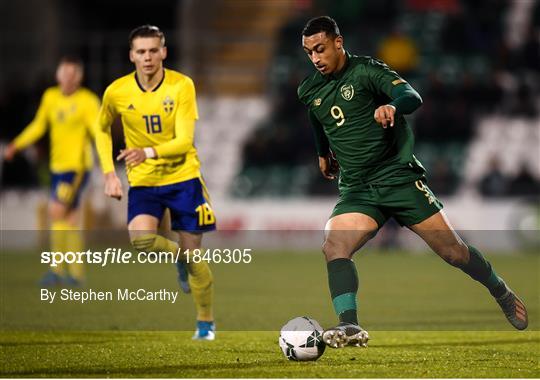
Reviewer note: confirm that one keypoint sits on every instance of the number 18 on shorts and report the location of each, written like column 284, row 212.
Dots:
column 187, row 201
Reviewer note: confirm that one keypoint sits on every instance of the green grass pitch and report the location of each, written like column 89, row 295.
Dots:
column 256, row 354
column 425, row 318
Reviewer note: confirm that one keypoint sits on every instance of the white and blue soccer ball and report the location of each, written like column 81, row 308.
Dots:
column 301, row 339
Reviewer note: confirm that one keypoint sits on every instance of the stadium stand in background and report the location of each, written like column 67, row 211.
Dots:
column 476, row 64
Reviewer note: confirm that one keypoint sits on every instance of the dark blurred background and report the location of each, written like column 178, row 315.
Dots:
column 475, row 62
column 469, row 60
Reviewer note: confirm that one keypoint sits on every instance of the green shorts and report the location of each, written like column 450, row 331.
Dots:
column 408, row 204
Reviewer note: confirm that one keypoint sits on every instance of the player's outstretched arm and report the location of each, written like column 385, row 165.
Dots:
column 33, row 132
column 405, row 100
column 382, row 80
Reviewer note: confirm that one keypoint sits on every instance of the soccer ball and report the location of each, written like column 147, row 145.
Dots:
column 301, row 339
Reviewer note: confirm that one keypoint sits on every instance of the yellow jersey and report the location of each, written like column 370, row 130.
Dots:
column 163, row 118
column 70, row 119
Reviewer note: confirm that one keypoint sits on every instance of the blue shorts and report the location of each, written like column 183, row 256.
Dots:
column 67, row 187
column 187, row 202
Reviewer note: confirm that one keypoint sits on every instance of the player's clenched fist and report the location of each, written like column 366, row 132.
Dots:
column 329, row 166
column 384, row 115
column 113, row 186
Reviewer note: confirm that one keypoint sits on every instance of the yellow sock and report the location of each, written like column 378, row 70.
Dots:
column 202, row 288
column 200, row 276
column 58, row 236
column 154, row 243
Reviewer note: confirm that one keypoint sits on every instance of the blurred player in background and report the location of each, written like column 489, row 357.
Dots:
column 349, row 98
column 158, row 111
column 69, row 111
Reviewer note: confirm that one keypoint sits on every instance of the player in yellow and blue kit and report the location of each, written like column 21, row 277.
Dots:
column 69, row 112
column 158, row 110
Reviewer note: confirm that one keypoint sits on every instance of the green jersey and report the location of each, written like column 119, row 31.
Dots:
column 341, row 110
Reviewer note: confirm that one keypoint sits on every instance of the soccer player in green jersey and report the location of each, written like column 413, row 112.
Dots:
column 356, row 106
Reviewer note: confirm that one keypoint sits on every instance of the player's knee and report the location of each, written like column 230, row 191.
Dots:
column 455, row 254
column 57, row 210
column 371, row 234
column 201, row 280
column 144, row 243
column 333, row 250
column 200, row 284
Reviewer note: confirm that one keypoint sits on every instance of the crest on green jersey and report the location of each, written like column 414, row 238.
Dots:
column 347, row 91
column 168, row 104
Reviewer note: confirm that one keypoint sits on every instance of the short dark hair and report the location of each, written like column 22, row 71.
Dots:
column 146, row 31
column 71, row 59
column 321, row 24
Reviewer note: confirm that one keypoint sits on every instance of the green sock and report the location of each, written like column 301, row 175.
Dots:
column 343, row 282
column 480, row 270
